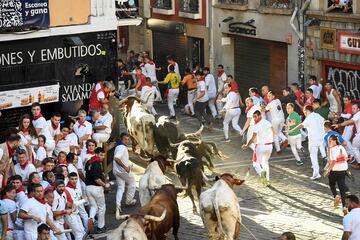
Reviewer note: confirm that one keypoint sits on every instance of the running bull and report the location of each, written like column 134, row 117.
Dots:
column 220, row 209
column 154, row 220
column 139, row 123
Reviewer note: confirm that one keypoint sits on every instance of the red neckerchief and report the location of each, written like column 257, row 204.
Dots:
column 45, row 149
column 71, row 131
column 42, row 201
column 329, row 90
column 6, row 197
column 94, row 159
column 142, row 65
column 172, row 63
column 81, row 124
column 68, row 196
column 25, row 130
column 257, row 95
column 49, row 188
column 54, row 126
column 348, row 108
column 316, row 84
column 71, row 186
column 266, row 99
column 90, row 152
column 23, row 166
column 220, row 73
column 248, row 109
column 37, row 116
column 201, row 79
column 20, row 189
column 10, row 149
column 62, row 163
column 148, row 84
column 309, row 101
column 151, row 62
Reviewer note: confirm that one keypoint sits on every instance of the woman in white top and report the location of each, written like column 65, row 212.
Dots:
column 336, row 171
column 28, row 136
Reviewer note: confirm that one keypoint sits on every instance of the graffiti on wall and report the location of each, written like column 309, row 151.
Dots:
column 344, row 79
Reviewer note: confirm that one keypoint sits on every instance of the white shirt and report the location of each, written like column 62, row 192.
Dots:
column 150, row 71
column 335, row 152
column 100, row 94
column 83, row 130
column 356, row 119
column 121, row 153
column 105, row 120
column 202, row 87
column 316, row 90
column 36, row 208
column 41, row 154
column 145, row 94
column 59, row 204
column 11, row 207
column 275, row 109
column 74, row 141
column 84, row 157
column 351, row 223
column 49, row 132
column 63, row 145
column 314, row 124
column 72, row 168
column 221, row 81
column 250, row 113
column 264, row 133
column 210, row 84
column 24, row 173
column 39, row 123
column 232, row 100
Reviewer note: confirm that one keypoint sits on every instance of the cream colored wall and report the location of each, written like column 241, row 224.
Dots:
column 68, row 12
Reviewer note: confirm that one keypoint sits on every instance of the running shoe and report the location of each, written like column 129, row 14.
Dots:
column 226, row 140
column 299, row 163
column 315, row 177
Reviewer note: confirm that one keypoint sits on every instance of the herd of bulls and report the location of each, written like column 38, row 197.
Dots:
column 160, row 143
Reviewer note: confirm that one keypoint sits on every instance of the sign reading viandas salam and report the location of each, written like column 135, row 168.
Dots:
column 16, row 15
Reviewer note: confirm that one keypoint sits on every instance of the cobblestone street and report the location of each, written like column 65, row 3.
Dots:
column 293, row 202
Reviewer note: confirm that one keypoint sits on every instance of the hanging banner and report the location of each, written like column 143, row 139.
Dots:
column 16, row 15
column 26, row 97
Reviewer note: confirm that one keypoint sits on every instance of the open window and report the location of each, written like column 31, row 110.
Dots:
column 165, row 7
column 340, row 6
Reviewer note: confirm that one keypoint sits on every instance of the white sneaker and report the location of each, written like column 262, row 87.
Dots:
column 118, row 213
column 315, row 177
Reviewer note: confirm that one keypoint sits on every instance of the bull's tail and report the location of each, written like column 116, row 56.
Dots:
column 217, row 213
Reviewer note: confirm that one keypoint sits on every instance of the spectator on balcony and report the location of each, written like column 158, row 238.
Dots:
column 343, row 5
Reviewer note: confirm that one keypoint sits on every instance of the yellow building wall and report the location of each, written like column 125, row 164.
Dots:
column 68, row 12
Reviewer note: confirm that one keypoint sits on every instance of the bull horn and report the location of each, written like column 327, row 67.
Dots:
column 123, row 217
column 174, row 145
column 195, row 142
column 196, row 134
column 154, row 218
column 123, row 101
column 170, row 160
column 144, row 159
column 182, row 187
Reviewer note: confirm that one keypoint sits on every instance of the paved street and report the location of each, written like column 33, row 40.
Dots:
column 292, row 203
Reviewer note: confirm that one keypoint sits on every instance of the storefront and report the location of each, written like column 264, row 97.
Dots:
column 258, row 49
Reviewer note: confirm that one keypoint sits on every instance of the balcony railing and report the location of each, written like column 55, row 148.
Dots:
column 189, row 6
column 164, row 4
column 278, row 4
column 240, row 2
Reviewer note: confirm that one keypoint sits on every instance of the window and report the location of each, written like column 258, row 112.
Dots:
column 166, row 7
column 191, row 9
column 241, row 2
column 278, row 4
column 345, row 6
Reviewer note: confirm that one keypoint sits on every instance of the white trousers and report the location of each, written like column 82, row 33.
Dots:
column 295, row 144
column 96, row 198
column 172, row 97
column 190, row 98
column 279, row 136
column 123, row 180
column 263, row 153
column 83, row 215
column 314, row 150
column 158, row 94
column 101, row 138
column 249, row 136
column 60, row 226
column 19, row 234
column 232, row 115
column 212, row 105
column 356, row 147
column 50, row 146
column 74, row 222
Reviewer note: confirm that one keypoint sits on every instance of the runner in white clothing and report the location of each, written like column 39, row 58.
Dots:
column 82, row 128
column 150, row 68
column 51, row 131
column 351, row 221
column 38, row 120
column 315, row 86
column 263, row 137
column 332, row 98
column 211, row 90
column 102, row 126
column 148, row 95
column 277, row 119
column 232, row 111
column 249, row 124
column 314, row 124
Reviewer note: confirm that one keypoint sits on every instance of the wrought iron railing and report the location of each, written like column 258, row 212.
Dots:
column 240, row 2
column 163, row 4
column 189, row 6
column 278, row 4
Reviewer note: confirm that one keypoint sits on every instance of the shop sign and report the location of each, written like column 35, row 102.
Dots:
column 344, row 77
column 127, row 8
column 245, row 28
column 328, row 38
column 24, row 14
column 349, row 42
column 26, row 97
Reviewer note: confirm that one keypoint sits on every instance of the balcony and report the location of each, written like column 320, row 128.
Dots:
column 165, row 7
column 191, row 9
column 282, row 7
column 241, row 5
column 241, row 2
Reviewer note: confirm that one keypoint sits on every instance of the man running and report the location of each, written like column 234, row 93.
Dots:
column 249, row 124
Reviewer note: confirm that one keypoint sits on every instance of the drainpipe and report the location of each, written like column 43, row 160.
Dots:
column 300, row 32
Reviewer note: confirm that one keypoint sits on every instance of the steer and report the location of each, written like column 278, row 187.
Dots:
column 139, row 123
column 220, row 209
column 162, row 204
column 153, row 178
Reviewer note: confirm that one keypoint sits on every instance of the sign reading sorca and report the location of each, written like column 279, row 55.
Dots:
column 18, row 15
column 26, row 97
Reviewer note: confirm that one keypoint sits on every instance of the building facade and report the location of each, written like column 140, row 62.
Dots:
column 332, row 46
column 254, row 41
